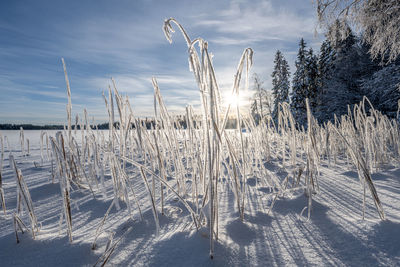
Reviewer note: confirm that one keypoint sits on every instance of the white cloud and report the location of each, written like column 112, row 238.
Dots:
column 256, row 21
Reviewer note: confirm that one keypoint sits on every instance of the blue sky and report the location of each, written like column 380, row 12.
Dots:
column 124, row 39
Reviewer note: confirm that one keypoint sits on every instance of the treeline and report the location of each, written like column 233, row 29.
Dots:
column 8, row 126
column 149, row 123
column 334, row 79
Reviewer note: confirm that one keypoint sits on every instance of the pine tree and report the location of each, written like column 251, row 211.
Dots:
column 346, row 72
column 299, row 85
column 383, row 89
column 312, row 78
column 325, row 64
column 341, row 78
column 280, row 82
column 326, row 68
column 379, row 20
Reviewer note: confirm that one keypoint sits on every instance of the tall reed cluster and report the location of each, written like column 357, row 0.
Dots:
column 189, row 162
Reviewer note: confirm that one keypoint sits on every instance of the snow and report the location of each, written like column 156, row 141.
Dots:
column 335, row 235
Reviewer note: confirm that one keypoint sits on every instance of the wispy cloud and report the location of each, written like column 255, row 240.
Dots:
column 258, row 21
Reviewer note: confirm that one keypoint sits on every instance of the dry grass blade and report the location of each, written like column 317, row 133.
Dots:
column 101, row 224
column 152, row 199
column 110, row 248
column 69, row 106
column 18, row 224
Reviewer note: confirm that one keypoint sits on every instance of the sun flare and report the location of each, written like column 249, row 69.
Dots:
column 232, row 99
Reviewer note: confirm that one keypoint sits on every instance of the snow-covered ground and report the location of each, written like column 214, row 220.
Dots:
column 335, row 235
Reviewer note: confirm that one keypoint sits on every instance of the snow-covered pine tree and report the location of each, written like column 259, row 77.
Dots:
column 383, row 89
column 326, row 68
column 299, row 86
column 312, row 78
column 341, row 86
column 280, row 82
column 379, row 20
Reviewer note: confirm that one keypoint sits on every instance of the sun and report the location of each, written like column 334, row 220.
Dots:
column 242, row 100
column 231, row 99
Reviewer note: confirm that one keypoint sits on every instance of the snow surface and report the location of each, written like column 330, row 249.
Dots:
column 335, row 236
